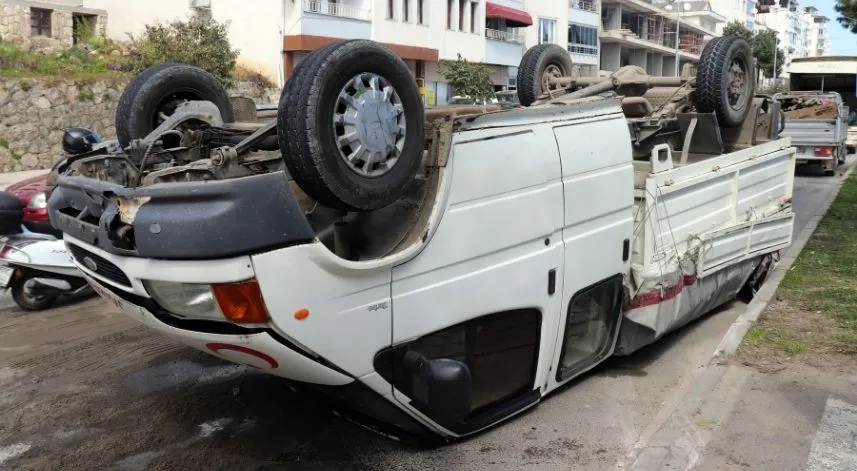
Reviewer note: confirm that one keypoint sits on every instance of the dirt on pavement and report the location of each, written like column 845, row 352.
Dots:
column 82, row 387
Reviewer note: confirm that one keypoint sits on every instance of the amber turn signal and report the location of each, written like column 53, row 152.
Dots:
column 241, row 302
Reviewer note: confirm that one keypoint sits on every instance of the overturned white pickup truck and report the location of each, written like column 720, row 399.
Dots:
column 434, row 272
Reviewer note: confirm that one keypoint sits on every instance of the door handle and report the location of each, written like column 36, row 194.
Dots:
column 551, row 281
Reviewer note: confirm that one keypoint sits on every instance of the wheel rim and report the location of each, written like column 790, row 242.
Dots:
column 737, row 82
column 552, row 71
column 369, row 123
column 167, row 105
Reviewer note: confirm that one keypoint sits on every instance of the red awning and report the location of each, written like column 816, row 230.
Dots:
column 514, row 17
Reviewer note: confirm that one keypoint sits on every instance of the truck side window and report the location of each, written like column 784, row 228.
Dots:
column 590, row 327
column 500, row 349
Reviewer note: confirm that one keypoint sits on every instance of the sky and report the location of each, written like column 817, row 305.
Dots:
column 842, row 41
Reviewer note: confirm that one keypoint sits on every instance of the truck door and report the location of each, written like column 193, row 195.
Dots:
column 598, row 183
column 486, row 289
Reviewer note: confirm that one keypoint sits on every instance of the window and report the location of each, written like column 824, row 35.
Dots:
column 406, row 10
column 40, row 22
column 582, row 39
column 590, row 326
column 547, row 31
column 449, row 14
column 391, row 9
column 473, row 6
column 462, row 7
column 420, row 13
column 500, row 349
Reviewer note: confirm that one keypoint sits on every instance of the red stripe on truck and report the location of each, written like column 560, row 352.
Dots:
column 660, row 295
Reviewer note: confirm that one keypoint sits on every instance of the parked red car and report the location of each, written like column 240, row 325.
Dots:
column 31, row 192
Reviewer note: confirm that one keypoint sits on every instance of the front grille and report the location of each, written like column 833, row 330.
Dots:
column 103, row 266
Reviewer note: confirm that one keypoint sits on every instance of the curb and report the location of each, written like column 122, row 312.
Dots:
column 682, row 429
column 728, row 346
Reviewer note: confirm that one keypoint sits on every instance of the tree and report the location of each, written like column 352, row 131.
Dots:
column 471, row 79
column 735, row 28
column 762, row 43
column 847, row 10
column 200, row 41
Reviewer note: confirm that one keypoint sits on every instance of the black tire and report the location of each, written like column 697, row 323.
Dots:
column 309, row 141
column 537, row 61
column 27, row 302
column 757, row 279
column 160, row 89
column 718, row 90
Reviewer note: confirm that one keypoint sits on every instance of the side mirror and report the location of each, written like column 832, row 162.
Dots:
column 78, row 140
column 441, row 387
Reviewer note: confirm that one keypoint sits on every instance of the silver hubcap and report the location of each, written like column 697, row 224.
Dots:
column 369, row 123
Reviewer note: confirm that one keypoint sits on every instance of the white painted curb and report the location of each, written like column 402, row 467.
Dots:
column 730, row 342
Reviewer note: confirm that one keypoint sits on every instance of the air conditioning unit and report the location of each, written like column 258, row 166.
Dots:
column 200, row 4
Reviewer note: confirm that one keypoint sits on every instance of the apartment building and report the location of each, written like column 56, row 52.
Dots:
column 743, row 11
column 819, row 39
column 659, row 37
column 423, row 33
column 801, row 32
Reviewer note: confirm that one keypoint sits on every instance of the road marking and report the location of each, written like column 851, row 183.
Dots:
column 834, row 447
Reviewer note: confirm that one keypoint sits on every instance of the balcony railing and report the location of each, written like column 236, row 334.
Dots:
column 510, row 36
column 583, row 5
column 584, row 49
column 337, row 9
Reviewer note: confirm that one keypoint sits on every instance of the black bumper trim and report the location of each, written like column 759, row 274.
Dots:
column 184, row 221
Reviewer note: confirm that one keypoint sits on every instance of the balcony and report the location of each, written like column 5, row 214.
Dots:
column 504, row 47
column 583, row 5
column 509, row 36
column 346, row 20
column 340, row 10
column 583, row 53
column 584, row 12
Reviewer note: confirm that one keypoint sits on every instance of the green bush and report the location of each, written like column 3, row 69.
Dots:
column 200, row 41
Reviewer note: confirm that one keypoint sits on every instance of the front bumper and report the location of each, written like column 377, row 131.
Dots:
column 257, row 347
column 181, row 221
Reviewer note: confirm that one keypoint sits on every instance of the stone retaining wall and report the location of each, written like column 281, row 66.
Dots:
column 34, row 113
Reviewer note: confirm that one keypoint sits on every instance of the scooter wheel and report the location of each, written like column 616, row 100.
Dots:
column 27, row 301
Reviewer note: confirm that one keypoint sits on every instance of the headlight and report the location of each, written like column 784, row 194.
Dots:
column 185, row 299
column 38, row 201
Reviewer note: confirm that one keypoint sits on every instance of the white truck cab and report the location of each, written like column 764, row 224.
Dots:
column 533, row 244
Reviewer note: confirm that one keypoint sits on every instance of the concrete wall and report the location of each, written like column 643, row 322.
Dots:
column 611, row 58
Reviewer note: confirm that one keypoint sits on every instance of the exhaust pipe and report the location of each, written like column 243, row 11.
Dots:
column 46, row 286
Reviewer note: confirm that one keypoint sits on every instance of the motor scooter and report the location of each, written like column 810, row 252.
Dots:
column 36, row 266
column 38, row 269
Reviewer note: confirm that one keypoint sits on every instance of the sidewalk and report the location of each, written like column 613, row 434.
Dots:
column 786, row 399
column 7, row 179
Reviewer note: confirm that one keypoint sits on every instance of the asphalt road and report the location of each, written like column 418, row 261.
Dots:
column 84, row 388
